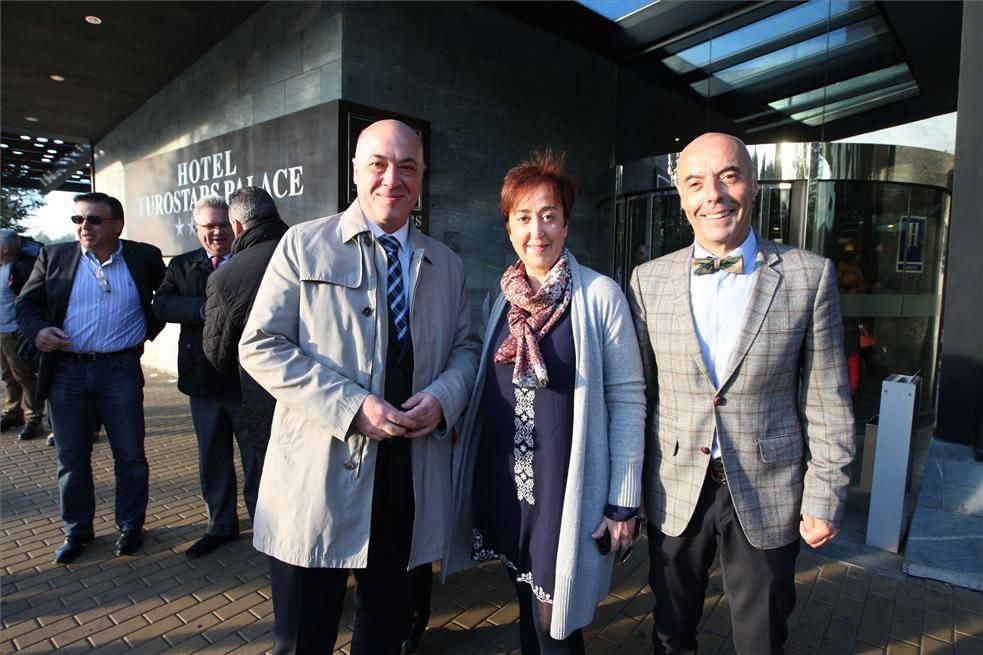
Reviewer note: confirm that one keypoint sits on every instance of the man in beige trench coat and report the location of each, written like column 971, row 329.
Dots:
column 361, row 332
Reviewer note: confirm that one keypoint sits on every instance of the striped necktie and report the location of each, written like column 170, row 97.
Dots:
column 396, row 293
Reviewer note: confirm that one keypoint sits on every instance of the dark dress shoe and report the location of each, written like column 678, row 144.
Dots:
column 10, row 422
column 129, row 542
column 208, row 544
column 71, row 548
column 31, row 431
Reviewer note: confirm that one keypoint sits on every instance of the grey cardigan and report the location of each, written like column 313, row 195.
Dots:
column 606, row 451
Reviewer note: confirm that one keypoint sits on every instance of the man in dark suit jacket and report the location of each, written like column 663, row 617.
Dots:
column 750, row 425
column 230, row 293
column 87, row 309
column 214, row 396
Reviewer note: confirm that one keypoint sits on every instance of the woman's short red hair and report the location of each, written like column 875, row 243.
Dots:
column 544, row 167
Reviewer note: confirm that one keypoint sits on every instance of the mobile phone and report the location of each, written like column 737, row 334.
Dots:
column 603, row 542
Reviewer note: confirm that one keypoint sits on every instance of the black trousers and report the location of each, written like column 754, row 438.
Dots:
column 309, row 602
column 217, row 422
column 760, row 584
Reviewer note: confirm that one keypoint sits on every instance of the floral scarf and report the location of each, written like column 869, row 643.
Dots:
column 531, row 317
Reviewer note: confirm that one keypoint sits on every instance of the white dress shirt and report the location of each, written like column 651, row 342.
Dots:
column 719, row 302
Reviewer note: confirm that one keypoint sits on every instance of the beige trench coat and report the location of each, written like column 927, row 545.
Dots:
column 316, row 340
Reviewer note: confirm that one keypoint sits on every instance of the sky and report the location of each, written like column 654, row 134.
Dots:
column 937, row 133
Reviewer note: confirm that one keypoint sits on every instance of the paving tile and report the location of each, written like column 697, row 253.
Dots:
column 840, row 634
column 935, row 647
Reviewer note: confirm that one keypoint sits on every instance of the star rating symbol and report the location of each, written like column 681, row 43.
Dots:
column 179, row 226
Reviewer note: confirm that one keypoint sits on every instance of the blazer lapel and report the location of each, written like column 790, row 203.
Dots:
column 766, row 280
column 683, row 306
column 64, row 270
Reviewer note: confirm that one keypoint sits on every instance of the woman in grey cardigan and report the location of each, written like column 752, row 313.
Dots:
column 547, row 473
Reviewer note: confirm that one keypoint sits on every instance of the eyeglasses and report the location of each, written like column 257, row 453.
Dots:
column 93, row 220
column 208, row 227
column 101, row 279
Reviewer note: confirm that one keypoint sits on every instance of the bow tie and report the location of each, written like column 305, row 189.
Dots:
column 708, row 265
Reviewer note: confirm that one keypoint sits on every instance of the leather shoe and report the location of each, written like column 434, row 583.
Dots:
column 71, row 548
column 31, row 431
column 208, row 544
column 129, row 542
column 10, row 422
column 50, row 440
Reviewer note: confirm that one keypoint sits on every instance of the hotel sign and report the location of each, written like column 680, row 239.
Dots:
column 301, row 159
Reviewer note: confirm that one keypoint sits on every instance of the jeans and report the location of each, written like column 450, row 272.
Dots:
column 82, row 392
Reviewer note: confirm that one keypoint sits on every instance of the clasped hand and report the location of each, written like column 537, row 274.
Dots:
column 378, row 420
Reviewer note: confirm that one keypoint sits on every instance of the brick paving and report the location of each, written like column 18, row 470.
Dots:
column 159, row 601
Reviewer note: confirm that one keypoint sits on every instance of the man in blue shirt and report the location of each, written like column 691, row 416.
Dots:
column 86, row 307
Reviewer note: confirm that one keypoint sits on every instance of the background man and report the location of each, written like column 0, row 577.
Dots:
column 214, row 396
column 751, row 431
column 231, row 292
column 86, row 307
column 19, row 376
column 361, row 332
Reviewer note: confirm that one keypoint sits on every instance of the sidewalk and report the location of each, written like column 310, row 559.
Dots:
column 159, row 601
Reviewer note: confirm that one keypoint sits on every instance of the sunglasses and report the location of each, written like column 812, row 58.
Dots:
column 93, row 220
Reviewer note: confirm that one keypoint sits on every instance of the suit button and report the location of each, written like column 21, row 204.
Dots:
column 349, row 465
column 719, row 400
column 366, row 311
column 705, row 450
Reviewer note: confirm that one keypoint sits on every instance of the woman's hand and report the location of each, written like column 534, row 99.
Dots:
column 621, row 532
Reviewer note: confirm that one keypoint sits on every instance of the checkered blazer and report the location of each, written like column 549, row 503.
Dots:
column 783, row 414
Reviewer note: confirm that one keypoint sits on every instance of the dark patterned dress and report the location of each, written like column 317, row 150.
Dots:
column 523, row 456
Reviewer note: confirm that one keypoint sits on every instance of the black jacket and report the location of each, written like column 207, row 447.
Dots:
column 43, row 302
column 180, row 299
column 231, row 292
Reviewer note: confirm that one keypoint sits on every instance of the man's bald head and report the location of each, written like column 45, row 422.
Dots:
column 717, row 184
column 387, row 129
column 388, row 172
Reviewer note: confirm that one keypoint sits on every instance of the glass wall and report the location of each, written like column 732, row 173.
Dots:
column 879, row 212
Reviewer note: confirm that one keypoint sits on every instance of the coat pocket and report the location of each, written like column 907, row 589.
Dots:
column 783, row 448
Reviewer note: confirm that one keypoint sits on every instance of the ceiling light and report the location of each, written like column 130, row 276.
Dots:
column 57, row 78
column 4, row 145
column 93, row 20
column 30, row 119
column 25, row 137
column 58, row 141
column 52, row 151
column 46, row 160
column 41, row 139
column 17, row 152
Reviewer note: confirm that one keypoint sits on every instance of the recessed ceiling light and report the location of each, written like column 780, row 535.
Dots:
column 17, row 152
column 30, row 119
column 58, row 141
column 676, row 139
column 46, row 160
column 52, row 151
column 25, row 137
column 41, row 139
column 57, row 78
column 4, row 145
column 93, row 20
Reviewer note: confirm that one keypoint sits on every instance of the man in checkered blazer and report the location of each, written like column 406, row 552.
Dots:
column 751, row 429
